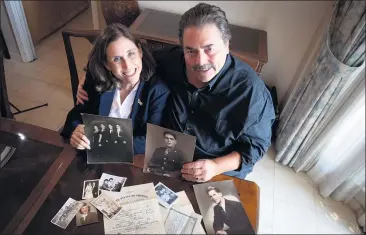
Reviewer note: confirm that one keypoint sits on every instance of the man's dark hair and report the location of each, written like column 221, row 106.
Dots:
column 98, row 58
column 170, row 133
column 210, row 188
column 203, row 14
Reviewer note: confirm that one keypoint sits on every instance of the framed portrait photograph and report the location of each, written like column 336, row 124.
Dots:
column 111, row 139
column 221, row 209
column 167, row 151
column 87, row 214
column 90, row 189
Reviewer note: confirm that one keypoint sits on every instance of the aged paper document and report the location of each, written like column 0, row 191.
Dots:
column 182, row 210
column 140, row 213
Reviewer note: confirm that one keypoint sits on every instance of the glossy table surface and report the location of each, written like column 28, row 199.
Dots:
column 60, row 175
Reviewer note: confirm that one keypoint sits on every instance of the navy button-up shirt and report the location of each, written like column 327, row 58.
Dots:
column 233, row 112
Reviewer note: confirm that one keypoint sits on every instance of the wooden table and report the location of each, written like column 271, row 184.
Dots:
column 250, row 45
column 64, row 178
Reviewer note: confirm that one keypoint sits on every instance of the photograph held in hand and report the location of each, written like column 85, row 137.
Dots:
column 167, row 151
column 111, row 139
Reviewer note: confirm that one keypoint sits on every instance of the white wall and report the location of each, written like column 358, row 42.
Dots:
column 290, row 28
column 9, row 34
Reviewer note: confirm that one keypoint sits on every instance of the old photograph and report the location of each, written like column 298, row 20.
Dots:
column 167, row 151
column 111, row 139
column 166, row 196
column 66, row 213
column 106, row 205
column 90, row 189
column 111, row 182
column 221, row 208
column 87, row 214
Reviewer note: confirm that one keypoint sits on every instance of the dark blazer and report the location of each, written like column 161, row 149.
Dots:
column 173, row 161
column 90, row 218
column 148, row 107
column 234, row 217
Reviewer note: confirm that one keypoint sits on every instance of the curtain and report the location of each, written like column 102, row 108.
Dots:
column 320, row 91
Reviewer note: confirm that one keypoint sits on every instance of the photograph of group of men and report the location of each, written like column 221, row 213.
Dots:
column 110, row 139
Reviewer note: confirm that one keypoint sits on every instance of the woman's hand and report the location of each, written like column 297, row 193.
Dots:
column 81, row 94
column 78, row 139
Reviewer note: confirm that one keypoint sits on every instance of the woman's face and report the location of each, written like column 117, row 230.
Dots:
column 124, row 60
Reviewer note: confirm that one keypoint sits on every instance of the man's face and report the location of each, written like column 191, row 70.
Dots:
column 102, row 127
column 109, row 183
column 118, row 127
column 170, row 141
column 215, row 196
column 110, row 127
column 204, row 53
column 95, row 128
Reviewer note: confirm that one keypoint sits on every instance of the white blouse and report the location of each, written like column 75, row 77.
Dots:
column 123, row 110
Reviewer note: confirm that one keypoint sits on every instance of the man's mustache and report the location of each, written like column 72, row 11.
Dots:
column 203, row 67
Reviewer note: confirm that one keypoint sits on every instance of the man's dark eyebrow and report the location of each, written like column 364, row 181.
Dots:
column 190, row 48
column 209, row 45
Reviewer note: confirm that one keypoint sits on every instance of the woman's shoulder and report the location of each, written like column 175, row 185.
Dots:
column 157, row 84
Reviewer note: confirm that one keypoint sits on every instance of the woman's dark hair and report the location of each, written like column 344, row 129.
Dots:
column 105, row 80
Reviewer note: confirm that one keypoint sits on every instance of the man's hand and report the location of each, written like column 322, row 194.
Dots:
column 221, row 232
column 78, row 139
column 200, row 171
column 81, row 94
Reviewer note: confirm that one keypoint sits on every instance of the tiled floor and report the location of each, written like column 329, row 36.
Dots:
column 289, row 202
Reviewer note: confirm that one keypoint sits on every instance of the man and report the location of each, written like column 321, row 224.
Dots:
column 102, row 135
column 215, row 97
column 96, row 136
column 110, row 133
column 85, row 216
column 107, row 184
column 118, row 134
column 167, row 159
column 229, row 216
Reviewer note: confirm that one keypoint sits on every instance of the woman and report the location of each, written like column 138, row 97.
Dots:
column 121, row 71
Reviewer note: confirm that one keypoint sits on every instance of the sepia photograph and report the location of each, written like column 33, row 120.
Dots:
column 167, row 151
column 66, row 213
column 87, row 214
column 90, row 189
column 221, row 208
column 166, row 196
column 111, row 182
column 106, row 205
column 111, row 139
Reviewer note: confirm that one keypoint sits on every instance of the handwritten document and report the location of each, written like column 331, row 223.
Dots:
column 140, row 213
column 182, row 210
column 178, row 222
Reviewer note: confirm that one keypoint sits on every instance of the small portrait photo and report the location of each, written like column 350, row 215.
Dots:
column 221, row 209
column 111, row 182
column 167, row 151
column 166, row 196
column 87, row 214
column 90, row 189
column 111, row 139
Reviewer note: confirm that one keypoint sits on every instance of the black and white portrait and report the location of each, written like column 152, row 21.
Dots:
column 106, row 205
column 167, row 151
column 90, row 189
column 111, row 182
column 87, row 214
column 66, row 213
column 221, row 208
column 111, row 139
column 166, row 196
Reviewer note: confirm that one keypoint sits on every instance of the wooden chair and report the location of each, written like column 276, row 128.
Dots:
column 90, row 35
column 4, row 101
